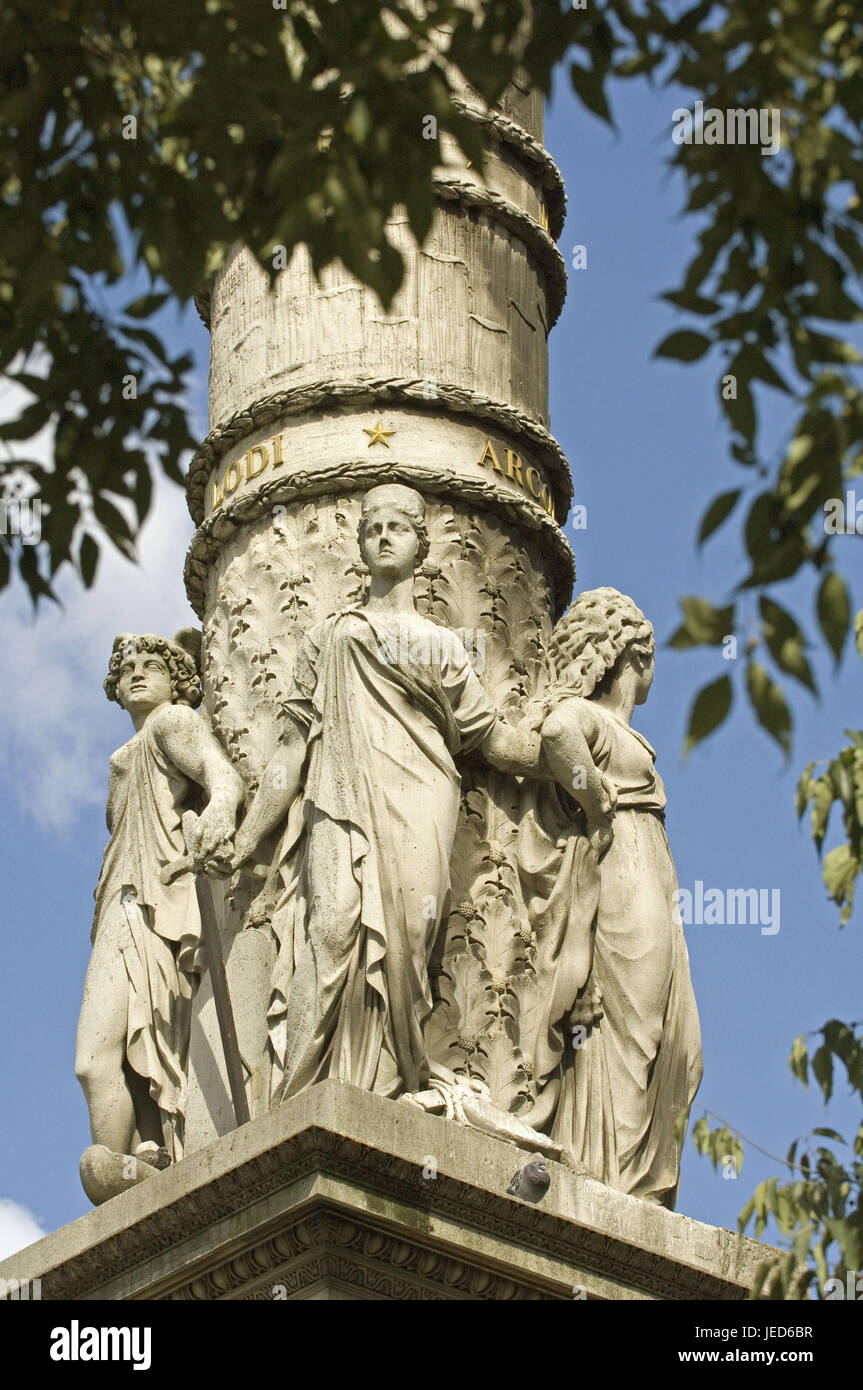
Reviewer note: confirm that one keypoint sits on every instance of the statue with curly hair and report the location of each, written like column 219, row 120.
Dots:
column 133, row 1032
column 619, row 1048
column 382, row 702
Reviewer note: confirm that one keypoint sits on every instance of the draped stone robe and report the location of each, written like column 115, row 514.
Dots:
column 612, row 1101
column 156, row 927
column 385, row 701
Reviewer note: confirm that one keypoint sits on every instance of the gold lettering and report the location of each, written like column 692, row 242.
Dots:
column 264, row 454
column 531, row 487
column 218, row 497
column 277, row 451
column 489, row 453
column 513, row 467
column 234, row 469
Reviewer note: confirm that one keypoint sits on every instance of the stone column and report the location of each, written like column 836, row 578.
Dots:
column 317, row 394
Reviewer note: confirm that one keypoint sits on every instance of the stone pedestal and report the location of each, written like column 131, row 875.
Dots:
column 334, row 1196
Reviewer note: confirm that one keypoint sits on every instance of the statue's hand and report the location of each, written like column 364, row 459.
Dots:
column 212, row 839
column 534, row 716
column 243, row 849
column 600, row 832
column 610, row 798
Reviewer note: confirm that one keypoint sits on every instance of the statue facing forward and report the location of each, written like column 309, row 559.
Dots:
column 619, row 1052
column 382, row 702
column 133, row 1033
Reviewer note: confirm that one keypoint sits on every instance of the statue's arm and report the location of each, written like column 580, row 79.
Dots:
column 190, row 744
column 566, row 749
column 280, row 782
column 512, row 748
column 515, row 749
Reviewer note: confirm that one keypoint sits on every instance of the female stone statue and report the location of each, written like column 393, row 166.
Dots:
column 383, row 699
column 596, row 863
column 133, row 1032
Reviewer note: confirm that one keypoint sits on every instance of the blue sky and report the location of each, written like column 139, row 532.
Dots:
column 648, row 449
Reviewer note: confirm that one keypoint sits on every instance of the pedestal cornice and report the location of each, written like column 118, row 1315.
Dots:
column 332, row 1195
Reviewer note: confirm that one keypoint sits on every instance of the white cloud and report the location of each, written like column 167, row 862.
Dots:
column 18, row 1227
column 59, row 728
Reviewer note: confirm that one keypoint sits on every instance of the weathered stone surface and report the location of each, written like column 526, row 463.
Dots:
column 318, row 394
column 326, row 1198
column 415, row 904
column 133, row 1032
column 602, row 891
column 267, row 588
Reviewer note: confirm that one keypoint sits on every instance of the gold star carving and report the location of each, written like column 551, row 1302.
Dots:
column 378, row 435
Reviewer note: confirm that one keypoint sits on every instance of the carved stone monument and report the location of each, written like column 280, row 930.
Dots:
column 133, row 1034
column 460, row 1010
column 316, row 396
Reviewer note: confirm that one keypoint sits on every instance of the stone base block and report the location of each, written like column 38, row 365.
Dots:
column 343, row 1195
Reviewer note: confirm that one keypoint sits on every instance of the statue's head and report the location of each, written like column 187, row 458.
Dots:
column 145, row 671
column 392, row 532
column 601, row 634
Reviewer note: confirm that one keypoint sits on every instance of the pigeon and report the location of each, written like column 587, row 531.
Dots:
column 531, row 1182
column 150, row 1152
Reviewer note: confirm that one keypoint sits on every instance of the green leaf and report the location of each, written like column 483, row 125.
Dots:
column 848, row 241
column 834, row 612
column 681, row 1122
column 804, row 790
column 822, row 1070
column 703, row 625
column 719, row 510
column 799, row 449
column 822, row 801
column 841, row 772
column 150, row 341
column 701, row 1134
column 785, row 642
column 683, row 346
column 115, row 524
column 756, row 366
column 769, row 705
column 589, row 88
column 799, row 1062
column 740, row 408
column 840, row 869
column 359, row 120
column 641, row 63
column 709, row 709
column 146, row 305
column 88, row 559
column 692, row 301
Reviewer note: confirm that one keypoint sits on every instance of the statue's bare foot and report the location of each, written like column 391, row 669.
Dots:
column 470, row 1104
column 105, row 1174
column 478, row 1111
